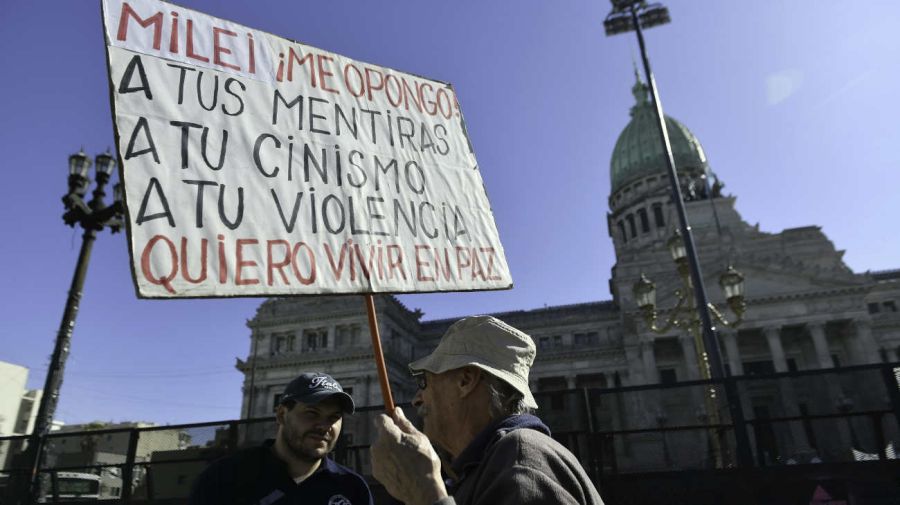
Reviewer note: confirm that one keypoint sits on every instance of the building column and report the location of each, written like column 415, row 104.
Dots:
column 689, row 349
column 254, row 344
column 651, row 374
column 365, row 390
column 607, row 379
column 245, row 400
column 635, row 363
column 729, row 338
column 786, row 389
column 252, row 406
column 263, row 344
column 332, row 334
column 866, row 341
column 365, row 427
column 773, row 336
column 817, row 332
column 892, row 354
column 572, row 400
column 610, row 378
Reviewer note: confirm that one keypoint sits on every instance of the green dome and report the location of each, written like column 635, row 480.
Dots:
column 639, row 152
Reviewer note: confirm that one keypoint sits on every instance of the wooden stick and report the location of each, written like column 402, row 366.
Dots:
column 379, row 356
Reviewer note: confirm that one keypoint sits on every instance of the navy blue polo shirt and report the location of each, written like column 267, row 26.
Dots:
column 255, row 476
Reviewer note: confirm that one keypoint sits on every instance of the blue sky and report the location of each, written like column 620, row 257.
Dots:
column 794, row 103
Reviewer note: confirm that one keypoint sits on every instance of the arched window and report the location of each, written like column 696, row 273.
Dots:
column 631, row 226
column 622, row 231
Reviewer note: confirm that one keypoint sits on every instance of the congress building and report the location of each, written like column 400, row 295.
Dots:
column 804, row 310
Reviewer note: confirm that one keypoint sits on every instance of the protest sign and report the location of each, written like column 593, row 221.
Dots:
column 254, row 165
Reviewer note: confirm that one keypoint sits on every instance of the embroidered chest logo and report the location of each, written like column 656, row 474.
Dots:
column 339, row 499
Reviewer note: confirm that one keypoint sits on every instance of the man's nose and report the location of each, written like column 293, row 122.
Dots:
column 417, row 400
column 324, row 425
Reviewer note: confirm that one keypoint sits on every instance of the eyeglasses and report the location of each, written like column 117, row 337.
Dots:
column 421, row 383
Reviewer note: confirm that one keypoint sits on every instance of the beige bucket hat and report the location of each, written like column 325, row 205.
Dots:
column 491, row 345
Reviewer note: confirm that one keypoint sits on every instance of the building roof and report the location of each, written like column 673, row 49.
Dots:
column 886, row 275
column 639, row 153
column 556, row 313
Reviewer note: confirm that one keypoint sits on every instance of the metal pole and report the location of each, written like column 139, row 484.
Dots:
column 713, row 360
column 54, row 379
column 709, row 335
column 128, row 469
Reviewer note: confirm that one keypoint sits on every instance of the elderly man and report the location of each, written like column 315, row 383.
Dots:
column 294, row 468
column 474, row 401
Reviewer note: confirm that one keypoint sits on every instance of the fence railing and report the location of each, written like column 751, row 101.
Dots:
column 837, row 419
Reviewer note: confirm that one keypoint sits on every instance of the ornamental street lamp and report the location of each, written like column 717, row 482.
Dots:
column 684, row 315
column 92, row 216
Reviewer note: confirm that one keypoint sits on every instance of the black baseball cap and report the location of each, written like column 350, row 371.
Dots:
column 312, row 388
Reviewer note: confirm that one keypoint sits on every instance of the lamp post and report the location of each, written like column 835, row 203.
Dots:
column 628, row 15
column 684, row 315
column 92, row 216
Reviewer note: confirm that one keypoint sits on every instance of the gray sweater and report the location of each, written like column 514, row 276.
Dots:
column 519, row 464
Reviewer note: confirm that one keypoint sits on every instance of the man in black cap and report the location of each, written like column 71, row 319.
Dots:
column 294, row 468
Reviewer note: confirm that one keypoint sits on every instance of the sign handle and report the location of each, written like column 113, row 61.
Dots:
column 379, row 356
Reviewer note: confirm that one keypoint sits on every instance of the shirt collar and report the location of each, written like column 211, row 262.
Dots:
column 474, row 452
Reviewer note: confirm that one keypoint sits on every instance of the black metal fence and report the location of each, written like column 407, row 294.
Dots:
column 827, row 435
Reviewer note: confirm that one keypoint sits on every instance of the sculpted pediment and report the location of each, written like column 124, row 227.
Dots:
column 771, row 274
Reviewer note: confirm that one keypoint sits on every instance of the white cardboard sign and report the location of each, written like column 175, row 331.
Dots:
column 254, row 165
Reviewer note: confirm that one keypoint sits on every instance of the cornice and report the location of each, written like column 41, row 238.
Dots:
column 264, row 363
column 545, row 356
column 338, row 307
column 302, row 359
column 605, row 307
column 811, row 294
column 272, row 321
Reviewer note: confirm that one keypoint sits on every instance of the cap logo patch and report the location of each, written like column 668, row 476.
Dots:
column 323, row 382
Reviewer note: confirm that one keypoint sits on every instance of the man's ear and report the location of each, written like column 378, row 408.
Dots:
column 280, row 411
column 468, row 379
